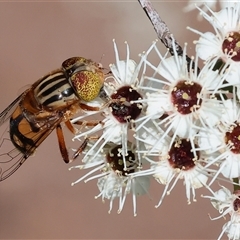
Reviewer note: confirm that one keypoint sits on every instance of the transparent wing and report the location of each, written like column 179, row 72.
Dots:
column 6, row 114
column 10, row 157
column 10, row 160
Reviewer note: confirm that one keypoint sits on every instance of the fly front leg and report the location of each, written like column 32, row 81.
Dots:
column 83, row 146
column 90, row 123
column 86, row 107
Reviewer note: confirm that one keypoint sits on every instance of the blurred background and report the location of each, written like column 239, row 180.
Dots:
column 38, row 202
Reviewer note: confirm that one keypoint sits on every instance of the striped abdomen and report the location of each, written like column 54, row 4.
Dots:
column 54, row 91
column 26, row 131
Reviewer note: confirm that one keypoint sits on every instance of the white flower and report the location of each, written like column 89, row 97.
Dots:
column 223, row 45
column 232, row 229
column 201, row 3
column 231, row 3
column 114, row 181
column 185, row 100
column 179, row 161
column 222, row 143
column 227, row 204
column 211, row 4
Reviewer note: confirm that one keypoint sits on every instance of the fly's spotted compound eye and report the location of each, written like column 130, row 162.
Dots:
column 85, row 76
column 87, row 84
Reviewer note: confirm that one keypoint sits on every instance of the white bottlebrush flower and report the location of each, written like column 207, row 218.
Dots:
column 148, row 139
column 231, row 3
column 114, row 181
column 223, row 142
column 211, row 4
column 119, row 114
column 169, row 164
column 185, row 100
column 201, row 3
column 227, row 204
column 223, row 45
column 232, row 229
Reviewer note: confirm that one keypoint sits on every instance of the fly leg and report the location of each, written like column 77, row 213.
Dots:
column 62, row 144
column 83, row 146
column 91, row 123
column 86, row 123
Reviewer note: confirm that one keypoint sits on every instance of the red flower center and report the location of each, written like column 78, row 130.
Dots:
column 181, row 155
column 122, row 108
column 233, row 137
column 115, row 159
column 231, row 45
column 184, row 96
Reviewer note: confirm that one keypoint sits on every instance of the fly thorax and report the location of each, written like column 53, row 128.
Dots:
column 54, row 91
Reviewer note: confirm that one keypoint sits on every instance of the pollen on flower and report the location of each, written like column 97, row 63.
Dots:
column 236, row 205
column 227, row 204
column 180, row 160
column 114, row 181
column 123, row 108
column 181, row 155
column 185, row 95
column 115, row 159
column 232, row 137
column 224, row 43
column 231, row 45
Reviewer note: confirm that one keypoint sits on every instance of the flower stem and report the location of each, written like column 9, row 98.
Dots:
column 162, row 30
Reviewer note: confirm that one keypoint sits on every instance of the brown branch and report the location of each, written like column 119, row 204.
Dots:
column 162, row 30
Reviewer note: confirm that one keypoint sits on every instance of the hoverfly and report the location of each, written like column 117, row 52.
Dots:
column 50, row 101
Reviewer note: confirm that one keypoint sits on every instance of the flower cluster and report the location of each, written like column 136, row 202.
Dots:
column 171, row 121
column 228, row 204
